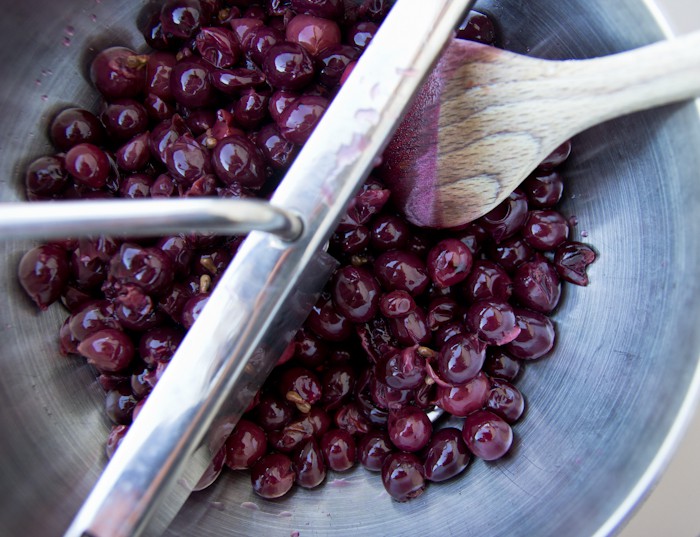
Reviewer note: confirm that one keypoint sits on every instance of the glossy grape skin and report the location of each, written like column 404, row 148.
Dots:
column 556, row 157
column 338, row 385
column 190, row 85
column 116, row 435
column 43, row 273
column 300, row 118
column 536, row 285
column 192, row 309
column 245, row 445
column 118, row 72
column 288, row 66
column 181, row 18
column 231, row 81
column 401, row 270
column 119, row 406
column 403, row 476
column 361, row 34
column 88, row 165
column 449, row 262
column 536, row 336
column 148, row 268
column 487, row 435
column 355, row 293
column 401, row 370
column 134, row 154
column 339, row 450
column 333, row 61
column 90, row 260
column 477, row 27
column 486, row 281
column 543, row 189
column 300, row 385
column 461, row 401
column 309, row 465
column 409, row 428
column 461, row 359
column 159, row 344
column 500, row 365
column 493, row 321
column 46, row 176
column 329, row 9
column 351, row 419
column 278, row 152
column 124, row 118
column 571, row 261
column 74, row 126
column 545, row 230
column 446, row 455
column 510, row 253
column 505, row 400
column 272, row 476
column 91, row 317
column 237, row 159
column 186, row 160
column 507, row 218
column 218, row 46
column 328, row 323
column 373, row 449
column 396, row 304
column 315, row 34
column 273, row 412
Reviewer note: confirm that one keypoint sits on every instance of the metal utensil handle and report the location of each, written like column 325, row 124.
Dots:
column 145, row 218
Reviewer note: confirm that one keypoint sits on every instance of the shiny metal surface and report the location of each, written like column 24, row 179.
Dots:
column 603, row 411
column 145, row 218
column 267, row 291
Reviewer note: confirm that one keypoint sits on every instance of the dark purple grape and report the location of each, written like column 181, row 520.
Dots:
column 449, row 262
column 91, row 317
column 545, row 230
column 272, row 476
column 114, row 381
column 260, row 40
column 493, row 321
column 231, row 81
column 461, row 359
column 500, row 365
column 301, row 387
column 124, row 119
column 190, row 85
column 273, row 412
column 72, row 298
column 328, row 323
column 218, row 46
column 163, row 187
column 487, row 281
column 487, row 435
column 510, row 253
column 309, row 350
column 543, row 189
column 446, row 455
column 118, row 73
column 441, row 311
column 339, row 450
column 88, row 165
column 291, row 436
column 402, row 370
column 361, row 34
column 373, row 449
column 409, row 428
column 571, row 261
column 136, row 310
column 401, row 270
column 411, row 329
column 333, row 61
column 108, row 350
column 43, row 274
column 90, row 260
column 329, row 9
column 119, row 406
column 243, row 28
column 310, row 466
column 368, row 202
column 142, row 382
column 278, row 152
column 505, row 400
column 279, row 101
column 136, row 186
column 473, row 236
column 461, row 401
column 315, row 34
column 447, row 331
column 251, row 108
column 536, row 285
column 556, row 157
column 157, row 108
column 477, row 27
column 181, row 18
column 192, row 309
column 351, row 419
column 288, row 66
column 116, row 435
column 387, row 398
column 396, row 304
column 355, row 293
column 160, row 66
column 375, row 338
column 389, row 232
column 74, row 126
column 300, row 118
column 246, row 444
column 403, row 476
column 319, row 420
column 507, row 218
column 154, row 35
column 159, row 344
column 165, row 134
column 179, row 250
column 237, row 159
column 338, row 385
column 134, row 154
column 536, row 336
column 186, row 160
column 149, row 268
column 46, row 176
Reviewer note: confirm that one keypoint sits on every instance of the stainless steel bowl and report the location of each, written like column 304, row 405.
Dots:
column 604, row 410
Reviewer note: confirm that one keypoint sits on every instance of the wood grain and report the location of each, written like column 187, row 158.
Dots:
column 486, row 117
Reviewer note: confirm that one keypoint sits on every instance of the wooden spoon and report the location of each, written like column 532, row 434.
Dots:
column 486, row 118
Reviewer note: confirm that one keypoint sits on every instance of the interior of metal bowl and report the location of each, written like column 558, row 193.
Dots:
column 602, row 410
